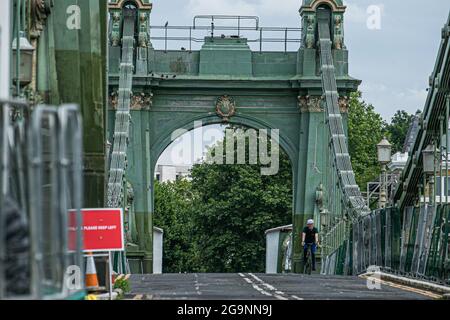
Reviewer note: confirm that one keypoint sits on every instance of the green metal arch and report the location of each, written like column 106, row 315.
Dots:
column 160, row 145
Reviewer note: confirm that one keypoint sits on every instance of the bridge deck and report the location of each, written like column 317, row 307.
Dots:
column 260, row 287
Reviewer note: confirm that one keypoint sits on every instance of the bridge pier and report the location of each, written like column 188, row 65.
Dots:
column 140, row 176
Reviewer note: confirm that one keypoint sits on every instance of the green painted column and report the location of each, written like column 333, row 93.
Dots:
column 79, row 34
column 311, row 169
column 140, row 176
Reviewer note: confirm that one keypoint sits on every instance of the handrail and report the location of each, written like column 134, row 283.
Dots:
column 213, row 18
column 285, row 38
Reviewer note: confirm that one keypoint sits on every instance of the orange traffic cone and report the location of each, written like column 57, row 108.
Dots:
column 91, row 273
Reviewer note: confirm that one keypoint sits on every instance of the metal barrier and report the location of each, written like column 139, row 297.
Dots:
column 13, row 117
column 413, row 243
column 42, row 177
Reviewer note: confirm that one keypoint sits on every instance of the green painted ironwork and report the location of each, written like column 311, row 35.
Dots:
column 303, row 94
column 272, row 90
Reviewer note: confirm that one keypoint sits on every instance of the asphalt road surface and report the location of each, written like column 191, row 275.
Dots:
column 250, row 286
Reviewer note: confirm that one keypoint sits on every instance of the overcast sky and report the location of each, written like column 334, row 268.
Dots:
column 393, row 62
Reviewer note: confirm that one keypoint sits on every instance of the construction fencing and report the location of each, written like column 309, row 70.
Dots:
column 41, row 183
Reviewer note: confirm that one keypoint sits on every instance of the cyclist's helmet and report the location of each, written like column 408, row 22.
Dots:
column 310, row 222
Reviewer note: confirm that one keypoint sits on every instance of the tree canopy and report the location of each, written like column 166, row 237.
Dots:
column 398, row 129
column 365, row 131
column 223, row 230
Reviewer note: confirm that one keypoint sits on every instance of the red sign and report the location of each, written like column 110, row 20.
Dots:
column 102, row 230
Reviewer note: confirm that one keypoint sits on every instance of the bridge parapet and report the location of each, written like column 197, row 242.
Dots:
column 414, row 242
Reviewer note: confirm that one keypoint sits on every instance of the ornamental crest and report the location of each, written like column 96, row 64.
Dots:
column 226, row 107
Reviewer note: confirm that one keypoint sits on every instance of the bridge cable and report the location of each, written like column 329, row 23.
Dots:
column 338, row 141
column 122, row 123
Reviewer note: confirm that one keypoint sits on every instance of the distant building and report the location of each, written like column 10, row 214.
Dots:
column 398, row 162
column 169, row 173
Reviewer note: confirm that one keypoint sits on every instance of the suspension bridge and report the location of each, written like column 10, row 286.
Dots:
column 234, row 79
column 303, row 93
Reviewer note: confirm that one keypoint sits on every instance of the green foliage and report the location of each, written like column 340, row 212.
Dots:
column 216, row 222
column 174, row 207
column 237, row 205
column 122, row 284
column 366, row 128
column 398, row 129
column 365, row 131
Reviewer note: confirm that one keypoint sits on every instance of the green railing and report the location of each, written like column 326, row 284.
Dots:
column 413, row 243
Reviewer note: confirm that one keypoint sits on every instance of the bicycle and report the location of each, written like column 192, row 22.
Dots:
column 308, row 262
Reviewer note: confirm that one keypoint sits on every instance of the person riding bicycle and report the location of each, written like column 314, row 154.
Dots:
column 310, row 237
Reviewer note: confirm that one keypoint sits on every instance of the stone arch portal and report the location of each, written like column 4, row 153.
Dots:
column 225, row 81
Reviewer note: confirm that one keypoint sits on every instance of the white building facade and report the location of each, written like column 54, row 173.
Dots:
column 169, row 173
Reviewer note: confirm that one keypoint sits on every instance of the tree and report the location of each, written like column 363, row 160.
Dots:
column 174, row 204
column 398, row 129
column 217, row 221
column 365, row 131
column 237, row 205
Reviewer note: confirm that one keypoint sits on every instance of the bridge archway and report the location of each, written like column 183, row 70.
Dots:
column 250, row 122
column 171, row 89
column 169, row 168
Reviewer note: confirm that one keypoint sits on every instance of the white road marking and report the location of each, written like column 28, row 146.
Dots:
column 255, row 286
column 268, row 286
column 197, row 285
column 276, row 293
column 248, row 280
column 262, row 291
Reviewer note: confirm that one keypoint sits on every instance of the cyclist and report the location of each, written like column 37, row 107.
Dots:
column 310, row 237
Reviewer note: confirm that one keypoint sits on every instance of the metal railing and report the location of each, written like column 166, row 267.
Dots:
column 413, row 243
column 193, row 37
column 42, row 181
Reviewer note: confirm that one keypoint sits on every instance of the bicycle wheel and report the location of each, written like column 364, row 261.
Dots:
column 308, row 263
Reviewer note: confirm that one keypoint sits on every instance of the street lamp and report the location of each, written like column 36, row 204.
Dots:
column 384, row 149
column 22, row 60
column 429, row 165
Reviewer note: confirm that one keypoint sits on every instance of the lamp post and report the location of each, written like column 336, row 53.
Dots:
column 429, row 165
column 384, row 149
column 23, row 60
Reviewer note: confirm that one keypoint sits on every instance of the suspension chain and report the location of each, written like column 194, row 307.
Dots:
column 122, row 124
column 338, row 145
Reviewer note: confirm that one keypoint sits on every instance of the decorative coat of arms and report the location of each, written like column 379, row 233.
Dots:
column 226, row 107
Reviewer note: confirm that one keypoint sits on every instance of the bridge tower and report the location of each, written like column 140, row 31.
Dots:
column 171, row 89
column 313, row 166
